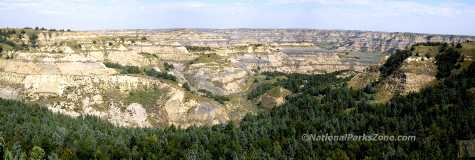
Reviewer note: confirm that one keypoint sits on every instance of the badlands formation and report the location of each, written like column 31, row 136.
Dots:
column 199, row 76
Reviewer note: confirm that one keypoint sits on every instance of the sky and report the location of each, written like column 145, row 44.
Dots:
column 421, row 16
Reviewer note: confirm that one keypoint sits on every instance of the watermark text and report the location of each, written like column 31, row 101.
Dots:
column 352, row 137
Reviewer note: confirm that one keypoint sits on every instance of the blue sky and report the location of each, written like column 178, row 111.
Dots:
column 424, row 16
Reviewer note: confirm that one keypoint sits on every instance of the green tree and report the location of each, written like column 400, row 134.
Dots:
column 33, row 36
column 447, row 61
column 22, row 156
column 168, row 66
column 2, row 150
column 186, row 86
column 37, row 153
column 394, row 62
column 8, row 155
column 338, row 154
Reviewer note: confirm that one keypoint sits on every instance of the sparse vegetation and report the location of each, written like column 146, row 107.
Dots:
column 147, row 97
column 153, row 73
column 124, row 69
column 168, row 66
column 207, row 58
column 217, row 98
column 137, row 70
column 5, row 39
column 12, row 38
column 149, row 55
column 73, row 44
column 198, row 48
column 186, row 86
column 33, row 37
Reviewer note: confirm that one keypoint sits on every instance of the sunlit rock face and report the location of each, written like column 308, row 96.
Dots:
column 216, row 78
column 306, row 61
column 67, row 71
column 360, row 41
column 419, row 73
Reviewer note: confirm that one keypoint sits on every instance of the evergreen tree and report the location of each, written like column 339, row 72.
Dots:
column 37, row 153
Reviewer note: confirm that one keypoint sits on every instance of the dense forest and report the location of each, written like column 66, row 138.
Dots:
column 438, row 116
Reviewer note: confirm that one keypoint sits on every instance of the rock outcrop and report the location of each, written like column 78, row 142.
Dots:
column 200, row 76
column 217, row 78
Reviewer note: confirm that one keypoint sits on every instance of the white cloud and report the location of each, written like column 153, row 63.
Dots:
column 444, row 8
column 385, row 7
column 388, row 15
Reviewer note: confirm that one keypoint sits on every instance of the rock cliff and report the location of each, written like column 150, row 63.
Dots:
column 187, row 77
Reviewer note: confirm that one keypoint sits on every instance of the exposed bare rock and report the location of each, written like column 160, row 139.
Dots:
column 415, row 74
column 299, row 62
column 45, row 84
column 9, row 93
column 66, row 72
column 419, row 73
column 208, row 113
column 415, row 82
column 363, row 79
column 274, row 97
column 138, row 114
column 129, row 58
column 216, row 78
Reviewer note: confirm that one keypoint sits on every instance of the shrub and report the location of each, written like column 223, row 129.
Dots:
column 37, row 153
column 131, row 70
column 124, row 69
column 153, row 73
column 198, row 48
column 447, row 61
column 186, row 86
column 168, row 66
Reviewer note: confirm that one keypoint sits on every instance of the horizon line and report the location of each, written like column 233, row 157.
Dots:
column 237, row 28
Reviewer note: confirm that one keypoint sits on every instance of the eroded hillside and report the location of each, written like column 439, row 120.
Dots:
column 151, row 78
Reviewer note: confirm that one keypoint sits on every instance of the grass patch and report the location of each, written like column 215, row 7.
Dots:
column 468, row 49
column 426, row 51
column 275, row 92
column 207, row 58
column 147, row 97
